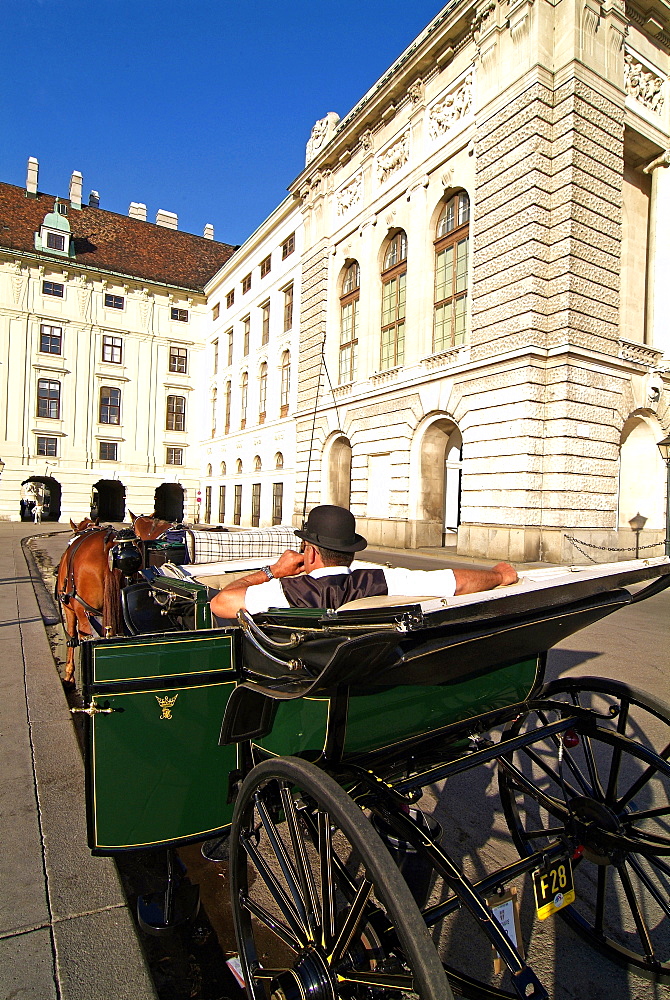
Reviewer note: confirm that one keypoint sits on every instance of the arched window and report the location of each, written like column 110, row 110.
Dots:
column 223, row 468
column 209, row 470
column 394, row 278
column 228, row 393
column 243, row 400
column 214, row 412
column 285, row 386
column 238, row 466
column 351, row 288
column 110, row 405
column 262, row 392
column 451, row 273
column 279, row 460
column 257, row 463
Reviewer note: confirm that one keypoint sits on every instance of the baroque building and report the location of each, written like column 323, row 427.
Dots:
column 102, row 327
column 485, row 275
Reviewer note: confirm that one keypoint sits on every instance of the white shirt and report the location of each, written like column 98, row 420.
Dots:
column 399, row 582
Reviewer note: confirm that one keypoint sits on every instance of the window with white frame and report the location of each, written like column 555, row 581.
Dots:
column 110, row 405
column 451, row 273
column 174, row 456
column 51, row 339
column 351, row 290
column 48, row 398
column 112, row 349
column 394, row 283
column 176, row 413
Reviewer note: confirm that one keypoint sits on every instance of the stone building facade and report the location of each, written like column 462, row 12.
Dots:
column 485, row 332
column 248, row 453
column 102, row 327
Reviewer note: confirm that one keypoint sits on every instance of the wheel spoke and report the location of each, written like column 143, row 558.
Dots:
column 276, row 926
column 638, row 916
column 554, row 775
column 615, row 763
column 654, row 891
column 284, row 861
column 650, row 813
column 304, row 870
column 327, row 888
column 353, row 919
column 549, row 831
column 662, row 866
column 637, row 785
column 276, row 891
column 379, row 979
column 553, row 806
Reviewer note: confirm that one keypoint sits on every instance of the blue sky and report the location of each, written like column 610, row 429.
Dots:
column 200, row 107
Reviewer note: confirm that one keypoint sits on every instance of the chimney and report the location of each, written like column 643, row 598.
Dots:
column 94, row 199
column 138, row 211
column 208, row 231
column 76, row 182
column 167, row 219
column 31, row 177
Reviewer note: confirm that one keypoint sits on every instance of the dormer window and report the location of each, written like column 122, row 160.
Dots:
column 55, row 235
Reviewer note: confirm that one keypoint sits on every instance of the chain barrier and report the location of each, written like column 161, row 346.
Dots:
column 609, row 548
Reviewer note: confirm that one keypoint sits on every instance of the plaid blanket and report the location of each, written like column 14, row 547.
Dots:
column 220, row 546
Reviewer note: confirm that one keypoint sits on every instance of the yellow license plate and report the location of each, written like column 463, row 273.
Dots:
column 554, row 887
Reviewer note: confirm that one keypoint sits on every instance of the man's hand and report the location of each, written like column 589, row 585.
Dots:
column 473, row 581
column 507, row 574
column 290, row 563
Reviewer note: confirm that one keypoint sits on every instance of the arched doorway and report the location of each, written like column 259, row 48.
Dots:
column 50, row 492
column 108, row 501
column 338, row 472
column 438, row 467
column 641, row 473
column 169, row 502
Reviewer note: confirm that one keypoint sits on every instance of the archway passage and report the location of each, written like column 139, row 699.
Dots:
column 339, row 472
column 49, row 490
column 641, row 474
column 108, row 501
column 169, row 502
column 440, row 478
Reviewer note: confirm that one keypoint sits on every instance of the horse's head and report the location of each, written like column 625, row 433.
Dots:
column 84, row 525
column 148, row 526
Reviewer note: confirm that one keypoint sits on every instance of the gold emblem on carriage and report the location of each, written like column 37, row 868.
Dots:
column 166, row 704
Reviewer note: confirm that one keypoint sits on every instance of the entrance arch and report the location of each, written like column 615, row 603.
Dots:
column 642, row 473
column 337, row 464
column 108, row 501
column 436, row 471
column 169, row 502
column 50, row 492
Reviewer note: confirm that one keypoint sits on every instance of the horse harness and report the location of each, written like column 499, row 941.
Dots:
column 117, row 554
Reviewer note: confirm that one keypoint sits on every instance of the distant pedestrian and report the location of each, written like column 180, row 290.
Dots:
column 37, row 510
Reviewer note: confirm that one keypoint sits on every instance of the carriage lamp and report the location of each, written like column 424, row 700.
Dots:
column 664, row 448
column 637, row 523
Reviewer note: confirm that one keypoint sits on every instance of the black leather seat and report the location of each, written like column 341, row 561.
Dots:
column 142, row 615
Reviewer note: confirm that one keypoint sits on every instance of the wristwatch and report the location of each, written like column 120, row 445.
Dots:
column 268, row 572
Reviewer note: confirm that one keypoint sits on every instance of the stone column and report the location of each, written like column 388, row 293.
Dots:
column 658, row 256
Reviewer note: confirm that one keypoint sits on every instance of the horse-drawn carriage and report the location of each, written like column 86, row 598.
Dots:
column 310, row 737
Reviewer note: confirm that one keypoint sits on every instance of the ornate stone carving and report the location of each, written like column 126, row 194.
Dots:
column 641, row 353
column 366, row 139
column 482, row 15
column 393, row 158
column 350, row 194
column 415, row 92
column 444, row 115
column 19, row 281
column 145, row 303
column 642, row 84
column 84, row 292
column 322, row 132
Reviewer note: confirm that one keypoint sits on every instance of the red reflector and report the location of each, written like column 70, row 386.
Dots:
column 570, row 739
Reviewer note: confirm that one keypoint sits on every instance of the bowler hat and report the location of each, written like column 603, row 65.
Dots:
column 332, row 527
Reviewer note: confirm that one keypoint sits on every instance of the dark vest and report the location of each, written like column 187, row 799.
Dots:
column 334, row 590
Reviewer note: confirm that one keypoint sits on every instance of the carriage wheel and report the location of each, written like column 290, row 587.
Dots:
column 615, row 780
column 319, row 907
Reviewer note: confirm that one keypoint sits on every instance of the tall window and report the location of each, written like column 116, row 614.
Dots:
column 246, row 329
column 451, row 273
column 228, row 392
column 265, row 322
column 51, row 339
column 178, row 360
column 285, row 385
column 279, row 460
column 214, row 394
column 176, row 413
column 48, row 398
column 288, row 307
column 288, row 246
column 243, row 400
column 215, row 357
column 277, row 502
column 222, row 503
column 216, row 309
column 112, row 349
column 394, row 277
column 351, row 290
column 266, row 266
column 208, row 504
column 262, row 392
column 110, row 405
column 246, row 284
column 230, row 298
column 255, row 505
column 230, row 346
column 237, row 506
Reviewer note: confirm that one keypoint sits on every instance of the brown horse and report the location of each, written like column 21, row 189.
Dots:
column 148, row 527
column 87, row 586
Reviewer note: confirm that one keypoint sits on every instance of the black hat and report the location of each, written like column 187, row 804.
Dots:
column 332, row 528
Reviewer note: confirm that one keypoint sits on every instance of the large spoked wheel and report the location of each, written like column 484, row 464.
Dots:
column 319, row 907
column 609, row 798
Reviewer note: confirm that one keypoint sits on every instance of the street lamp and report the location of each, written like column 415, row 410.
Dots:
column 664, row 448
column 637, row 523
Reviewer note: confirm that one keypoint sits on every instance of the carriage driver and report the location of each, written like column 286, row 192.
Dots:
column 321, row 575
